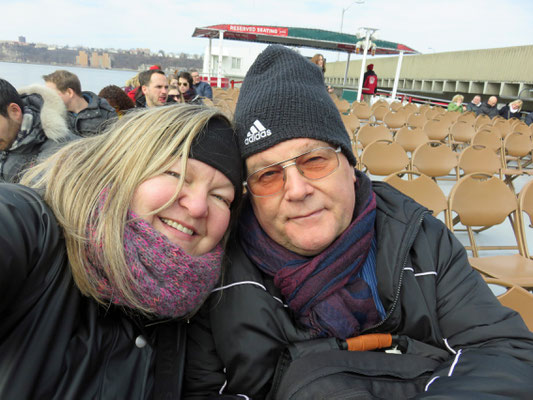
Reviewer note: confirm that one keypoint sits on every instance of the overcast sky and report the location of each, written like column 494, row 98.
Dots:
column 425, row 25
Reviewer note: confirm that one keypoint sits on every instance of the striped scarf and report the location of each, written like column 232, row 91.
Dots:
column 324, row 291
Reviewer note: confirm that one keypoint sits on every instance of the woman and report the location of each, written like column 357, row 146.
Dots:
column 320, row 61
column 117, row 98
column 100, row 274
column 457, row 103
column 187, row 92
column 173, row 95
column 512, row 110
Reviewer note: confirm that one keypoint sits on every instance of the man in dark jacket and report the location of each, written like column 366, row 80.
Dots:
column 32, row 127
column 202, row 88
column 322, row 255
column 489, row 108
column 474, row 104
column 87, row 113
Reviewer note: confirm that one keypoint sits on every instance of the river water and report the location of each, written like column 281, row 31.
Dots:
column 92, row 79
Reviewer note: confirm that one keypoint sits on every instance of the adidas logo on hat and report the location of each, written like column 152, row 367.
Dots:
column 257, row 132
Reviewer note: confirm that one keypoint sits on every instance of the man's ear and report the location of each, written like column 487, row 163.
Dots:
column 144, row 89
column 70, row 93
column 14, row 112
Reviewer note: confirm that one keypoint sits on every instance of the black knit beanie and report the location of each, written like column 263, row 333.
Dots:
column 283, row 97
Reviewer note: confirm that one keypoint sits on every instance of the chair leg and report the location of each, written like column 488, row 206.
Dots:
column 472, row 242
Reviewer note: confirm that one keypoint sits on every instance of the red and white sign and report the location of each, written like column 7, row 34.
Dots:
column 256, row 29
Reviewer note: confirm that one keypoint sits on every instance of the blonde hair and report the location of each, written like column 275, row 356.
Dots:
column 458, row 97
column 78, row 178
column 518, row 103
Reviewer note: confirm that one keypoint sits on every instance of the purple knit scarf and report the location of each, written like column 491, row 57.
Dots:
column 323, row 291
column 167, row 281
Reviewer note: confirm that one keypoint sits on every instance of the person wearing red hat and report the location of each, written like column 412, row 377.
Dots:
column 370, row 83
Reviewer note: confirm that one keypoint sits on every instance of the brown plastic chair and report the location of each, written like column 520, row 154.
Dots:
column 451, row 116
column 421, row 188
column 461, row 133
column 342, row 105
column 488, row 139
column 411, row 107
column 380, row 103
column 516, row 298
column 394, row 120
column 383, row 157
column 416, row 120
column 434, row 159
column 503, row 127
column 395, row 105
column 479, row 158
column 362, row 110
column 352, row 124
column 410, row 139
column 436, row 130
column 379, row 113
column 369, row 133
column 482, row 120
column 517, row 151
column 433, row 112
column 468, row 116
column 525, row 205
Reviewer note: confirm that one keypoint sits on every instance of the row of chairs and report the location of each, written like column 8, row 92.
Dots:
column 478, row 202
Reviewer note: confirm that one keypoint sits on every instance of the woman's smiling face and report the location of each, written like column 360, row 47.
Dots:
column 198, row 218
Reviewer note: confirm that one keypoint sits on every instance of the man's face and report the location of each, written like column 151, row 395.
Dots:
column 9, row 127
column 492, row 101
column 476, row 100
column 195, row 78
column 156, row 92
column 307, row 215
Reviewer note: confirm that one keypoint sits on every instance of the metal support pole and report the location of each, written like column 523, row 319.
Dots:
column 209, row 61
column 363, row 63
column 346, row 71
column 219, row 72
column 397, row 76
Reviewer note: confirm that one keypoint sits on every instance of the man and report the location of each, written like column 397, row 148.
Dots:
column 322, row 254
column 153, row 89
column 490, row 107
column 32, row 126
column 202, row 88
column 87, row 112
column 370, row 84
column 474, row 104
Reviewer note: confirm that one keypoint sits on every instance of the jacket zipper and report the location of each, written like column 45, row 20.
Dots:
column 400, row 281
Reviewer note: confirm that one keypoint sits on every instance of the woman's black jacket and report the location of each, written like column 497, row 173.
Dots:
column 56, row 343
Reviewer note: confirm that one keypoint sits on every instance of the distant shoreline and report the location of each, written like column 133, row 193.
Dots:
column 72, row 65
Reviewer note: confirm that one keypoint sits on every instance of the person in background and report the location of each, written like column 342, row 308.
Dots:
column 86, row 111
column 474, row 104
column 457, row 103
column 186, row 89
column 117, row 98
column 322, row 254
column 173, row 94
column 33, row 125
column 512, row 110
column 529, row 119
column 202, row 88
column 153, row 89
column 132, row 85
column 370, row 84
column 111, row 246
column 320, row 61
column 489, row 108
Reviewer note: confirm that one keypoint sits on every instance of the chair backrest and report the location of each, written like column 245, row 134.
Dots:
column 416, row 120
column 462, row 131
column 379, row 112
column 351, row 122
column 436, row 130
column 481, row 120
column 487, row 139
column 394, row 119
column 380, row 103
column 434, row 159
column 521, row 127
column 362, row 110
column 515, row 298
column 342, row 105
column 383, row 157
column 410, row 139
column 369, row 133
column 433, row 112
column 525, row 205
column 411, row 107
column 421, row 188
column 481, row 200
column 395, row 105
column 518, row 144
column 468, row 116
column 503, row 127
column 451, row 116
column 479, row 158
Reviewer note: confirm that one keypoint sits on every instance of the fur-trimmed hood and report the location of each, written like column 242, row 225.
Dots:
column 52, row 112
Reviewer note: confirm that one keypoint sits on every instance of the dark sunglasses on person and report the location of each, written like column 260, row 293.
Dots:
column 313, row 165
column 186, row 84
